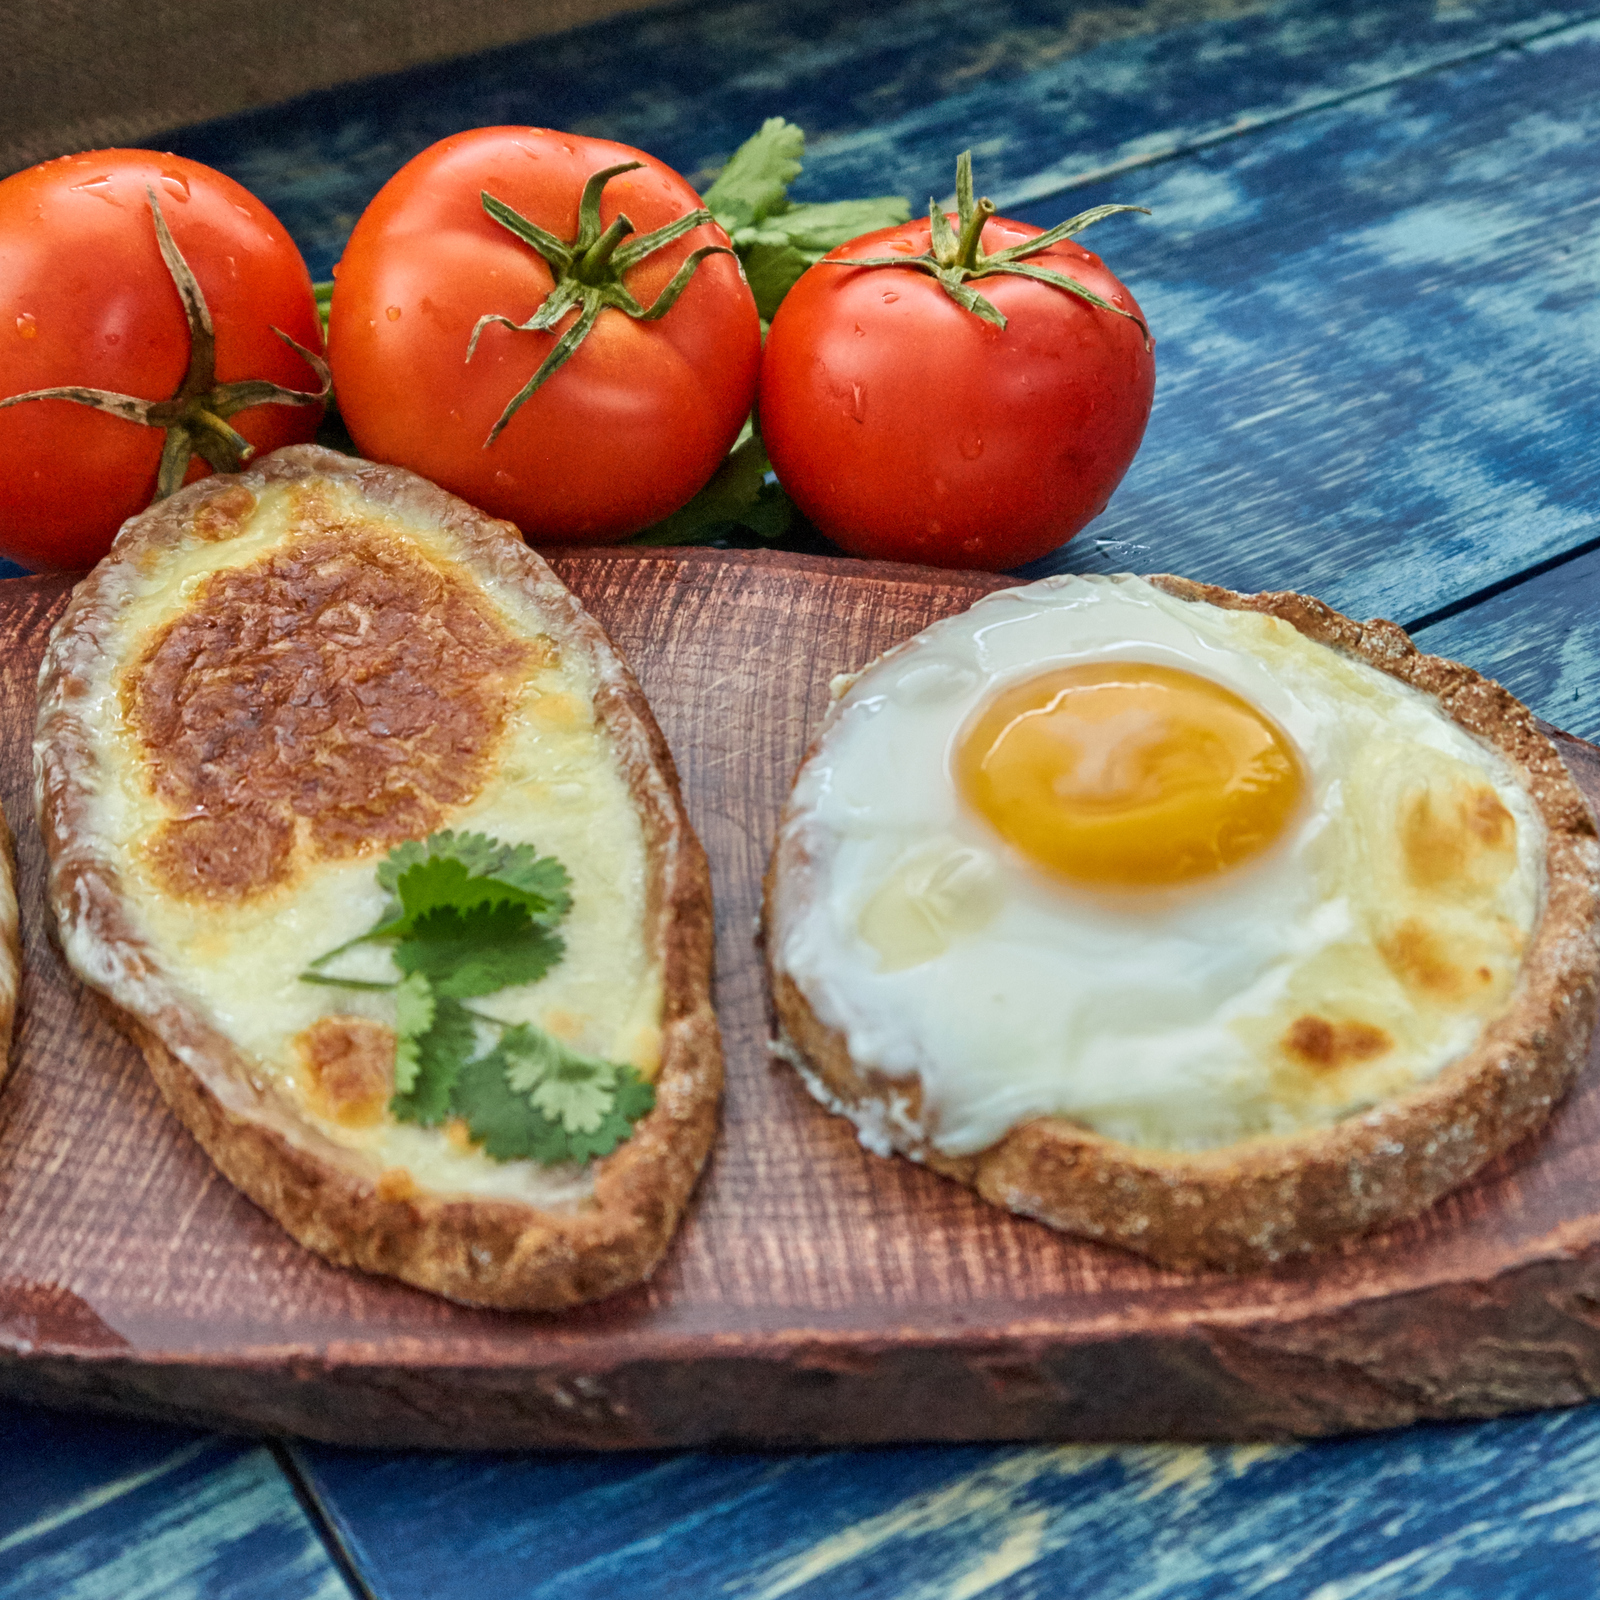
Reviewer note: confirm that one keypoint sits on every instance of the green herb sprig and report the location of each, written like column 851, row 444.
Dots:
column 466, row 917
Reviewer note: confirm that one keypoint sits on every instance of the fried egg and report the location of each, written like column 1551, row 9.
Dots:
column 1177, row 873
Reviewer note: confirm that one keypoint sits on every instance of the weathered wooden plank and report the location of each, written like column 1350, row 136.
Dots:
column 102, row 1510
column 1541, row 640
column 1509, row 1509
column 1378, row 328
column 1050, row 124
column 886, row 91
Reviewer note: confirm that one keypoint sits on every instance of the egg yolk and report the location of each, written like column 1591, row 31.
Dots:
column 1129, row 774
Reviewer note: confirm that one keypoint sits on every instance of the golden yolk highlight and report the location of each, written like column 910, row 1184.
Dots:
column 1129, row 774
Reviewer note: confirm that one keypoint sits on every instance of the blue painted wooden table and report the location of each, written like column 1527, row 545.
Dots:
column 1374, row 273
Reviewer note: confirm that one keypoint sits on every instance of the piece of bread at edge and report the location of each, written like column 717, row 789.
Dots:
column 10, row 946
column 1255, row 1200
column 366, row 659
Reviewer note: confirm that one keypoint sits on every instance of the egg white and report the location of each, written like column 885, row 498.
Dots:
column 1155, row 1017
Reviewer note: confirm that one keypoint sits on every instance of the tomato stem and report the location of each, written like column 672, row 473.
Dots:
column 956, row 255
column 591, row 268
column 969, row 247
column 193, row 417
column 199, row 416
column 589, row 272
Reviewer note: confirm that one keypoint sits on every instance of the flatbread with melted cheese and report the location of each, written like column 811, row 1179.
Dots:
column 271, row 681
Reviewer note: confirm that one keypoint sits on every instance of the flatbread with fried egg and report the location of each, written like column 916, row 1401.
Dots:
column 276, row 683
column 1389, row 980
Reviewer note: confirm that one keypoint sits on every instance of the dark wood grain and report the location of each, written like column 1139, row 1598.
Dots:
column 816, row 1294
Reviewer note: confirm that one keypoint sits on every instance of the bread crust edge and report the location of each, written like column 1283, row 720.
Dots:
column 487, row 1252
column 1249, row 1205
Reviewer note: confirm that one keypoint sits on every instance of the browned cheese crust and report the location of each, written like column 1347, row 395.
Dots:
column 481, row 1251
column 1251, row 1204
column 10, row 946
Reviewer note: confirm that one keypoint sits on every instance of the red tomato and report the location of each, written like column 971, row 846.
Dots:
column 617, row 438
column 907, row 427
column 86, row 300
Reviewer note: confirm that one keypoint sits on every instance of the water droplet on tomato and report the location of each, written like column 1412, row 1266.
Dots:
column 113, row 338
column 26, row 326
column 861, row 332
column 858, row 402
column 890, row 297
column 971, row 445
column 334, row 270
column 393, row 313
column 1117, row 300
column 175, row 184
column 244, row 211
column 504, row 479
column 99, row 187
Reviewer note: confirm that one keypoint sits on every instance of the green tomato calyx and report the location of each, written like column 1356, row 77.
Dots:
column 588, row 272
column 955, row 255
column 195, row 417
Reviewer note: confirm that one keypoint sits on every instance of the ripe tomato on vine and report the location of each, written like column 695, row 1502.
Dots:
column 964, row 392
column 156, row 320
column 552, row 327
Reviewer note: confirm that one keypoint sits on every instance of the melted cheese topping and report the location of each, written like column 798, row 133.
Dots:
column 553, row 782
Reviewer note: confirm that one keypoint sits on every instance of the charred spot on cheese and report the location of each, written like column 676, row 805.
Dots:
column 333, row 698
column 224, row 514
column 350, row 1062
column 1422, row 960
column 1317, row 1042
column 248, row 849
column 1459, row 841
column 396, row 1183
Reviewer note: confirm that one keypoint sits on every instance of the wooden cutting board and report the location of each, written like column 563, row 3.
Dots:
column 816, row 1294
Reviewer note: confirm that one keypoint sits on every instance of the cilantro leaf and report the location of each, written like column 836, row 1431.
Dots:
column 460, row 871
column 442, row 1052
column 534, row 1055
column 469, row 916
column 552, row 1102
column 738, row 495
column 772, row 266
column 631, row 1099
column 817, row 229
column 502, row 1121
column 414, row 1009
column 756, row 180
column 567, row 1086
column 473, row 952
column 596, row 1102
